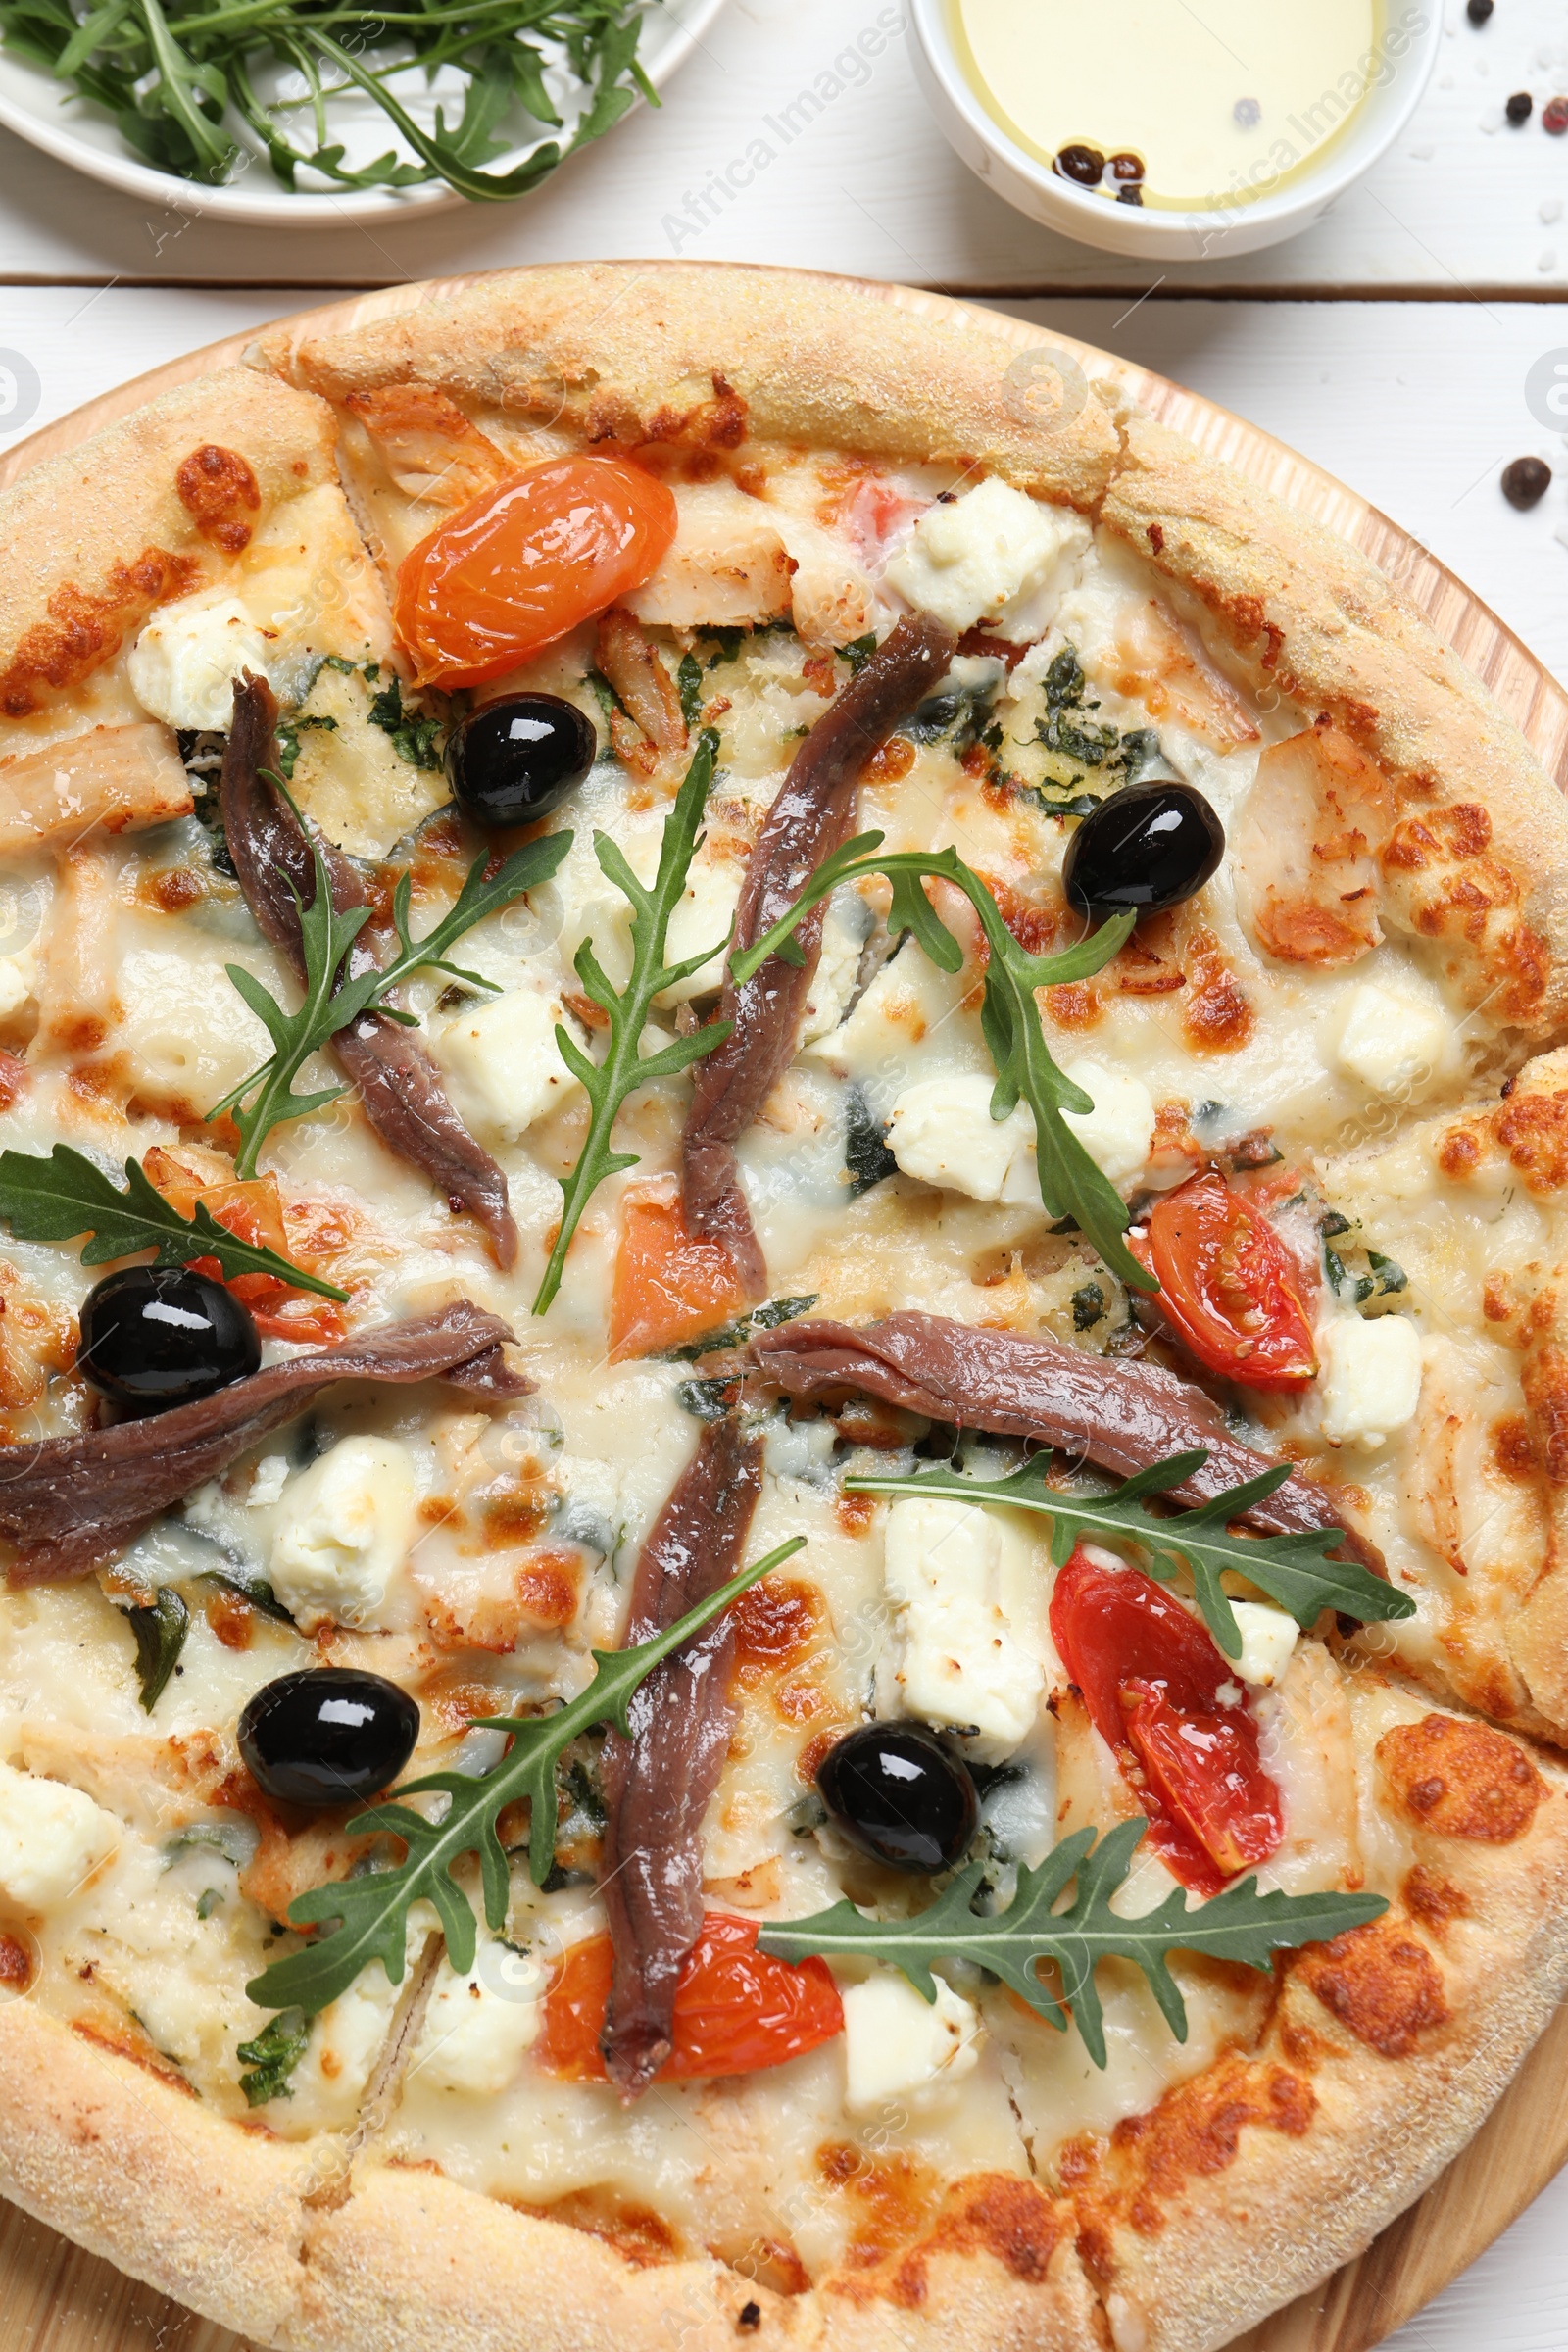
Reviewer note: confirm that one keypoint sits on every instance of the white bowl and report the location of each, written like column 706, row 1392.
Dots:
column 1411, row 43
column 43, row 111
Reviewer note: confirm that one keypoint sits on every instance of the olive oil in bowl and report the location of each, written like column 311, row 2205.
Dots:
column 1153, row 103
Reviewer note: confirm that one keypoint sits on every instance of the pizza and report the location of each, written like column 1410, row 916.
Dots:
column 784, row 1358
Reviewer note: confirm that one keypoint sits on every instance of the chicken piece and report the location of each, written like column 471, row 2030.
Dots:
column 1153, row 659
column 726, row 569
column 116, row 777
column 647, row 690
column 429, row 448
column 1306, row 846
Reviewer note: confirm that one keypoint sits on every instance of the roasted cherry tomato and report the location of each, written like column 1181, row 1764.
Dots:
column 522, row 564
column 736, row 2010
column 670, row 1286
column 1228, row 1285
column 253, row 1209
column 1161, row 1695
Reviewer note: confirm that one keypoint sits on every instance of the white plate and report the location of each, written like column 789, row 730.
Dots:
column 41, row 109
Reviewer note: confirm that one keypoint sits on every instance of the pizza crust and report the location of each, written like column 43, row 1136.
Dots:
column 1479, row 854
column 138, row 2171
column 97, row 537
column 1211, row 2246
column 682, row 351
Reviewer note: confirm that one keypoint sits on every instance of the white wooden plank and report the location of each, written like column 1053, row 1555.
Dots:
column 1514, row 2299
column 872, row 188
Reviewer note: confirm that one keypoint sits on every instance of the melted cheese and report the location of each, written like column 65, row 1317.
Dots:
column 478, row 1556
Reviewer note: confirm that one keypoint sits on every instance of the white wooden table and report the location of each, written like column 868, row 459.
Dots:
column 1391, row 344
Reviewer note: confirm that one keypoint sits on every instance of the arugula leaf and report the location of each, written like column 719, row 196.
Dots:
column 735, row 1335
column 371, row 1913
column 235, row 1841
column 1070, row 1183
column 1239, row 1924
column 609, row 1083
column 159, row 1633
column 1294, row 1570
column 265, row 1097
column 289, row 731
column 414, row 732
column 274, row 2054
column 250, row 1587
column 689, row 679
column 54, row 1199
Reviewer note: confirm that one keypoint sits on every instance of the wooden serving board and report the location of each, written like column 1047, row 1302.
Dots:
column 55, row 2298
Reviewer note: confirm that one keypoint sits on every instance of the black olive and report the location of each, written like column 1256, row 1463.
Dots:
column 156, row 1335
column 518, row 759
column 331, row 1737
column 1149, row 846
column 1082, row 165
column 1526, row 481
column 898, row 1795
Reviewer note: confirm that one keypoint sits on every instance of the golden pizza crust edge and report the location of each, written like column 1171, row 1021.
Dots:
column 137, row 2171
column 142, row 512
column 639, row 352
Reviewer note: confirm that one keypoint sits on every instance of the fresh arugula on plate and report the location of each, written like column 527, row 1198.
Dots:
column 176, row 74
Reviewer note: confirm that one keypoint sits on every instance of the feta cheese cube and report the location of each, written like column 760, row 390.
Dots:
column 1268, row 1636
column 942, row 1131
column 1118, row 1134
column 52, row 1838
column 478, row 2027
column 902, row 1015
column 19, row 980
column 846, row 928
column 703, row 918
column 899, row 2045
column 342, row 1530
column 1369, row 1381
column 183, row 665
column 1389, row 1041
column 967, row 1643
column 989, row 556
column 505, row 1059
column 346, row 2041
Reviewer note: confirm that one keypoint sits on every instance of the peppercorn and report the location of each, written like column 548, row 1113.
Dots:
column 1478, row 11
column 1526, row 481
column 1126, row 167
column 1247, row 112
column 1555, row 116
column 1085, row 165
column 1129, row 192
column 1518, row 107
